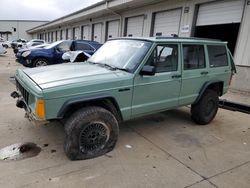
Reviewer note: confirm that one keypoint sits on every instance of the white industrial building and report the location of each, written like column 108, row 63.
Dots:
column 16, row 29
column 228, row 20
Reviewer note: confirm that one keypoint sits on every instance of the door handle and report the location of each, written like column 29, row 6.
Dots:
column 204, row 73
column 176, row 76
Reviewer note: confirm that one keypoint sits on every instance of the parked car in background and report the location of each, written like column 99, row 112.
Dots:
column 6, row 44
column 31, row 43
column 2, row 49
column 18, row 43
column 52, row 54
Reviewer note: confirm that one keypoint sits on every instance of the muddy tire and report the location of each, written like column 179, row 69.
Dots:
column 204, row 111
column 40, row 62
column 90, row 132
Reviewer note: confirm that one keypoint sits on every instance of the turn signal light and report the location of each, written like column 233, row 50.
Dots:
column 40, row 109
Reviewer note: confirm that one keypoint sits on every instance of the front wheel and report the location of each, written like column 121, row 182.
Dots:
column 90, row 132
column 204, row 111
column 40, row 62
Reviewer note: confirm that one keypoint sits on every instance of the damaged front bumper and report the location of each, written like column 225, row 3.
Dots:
column 20, row 103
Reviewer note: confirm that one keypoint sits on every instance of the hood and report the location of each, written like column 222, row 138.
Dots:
column 70, row 73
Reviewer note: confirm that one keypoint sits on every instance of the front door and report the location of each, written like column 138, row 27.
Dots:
column 60, row 49
column 160, row 91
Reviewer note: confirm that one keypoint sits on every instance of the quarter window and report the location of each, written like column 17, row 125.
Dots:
column 194, row 57
column 217, row 55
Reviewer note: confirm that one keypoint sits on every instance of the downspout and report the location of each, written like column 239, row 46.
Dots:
column 115, row 13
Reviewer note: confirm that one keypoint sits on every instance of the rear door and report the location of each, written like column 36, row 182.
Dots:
column 219, row 66
column 194, row 72
column 160, row 91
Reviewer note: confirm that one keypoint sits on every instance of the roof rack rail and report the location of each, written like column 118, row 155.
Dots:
column 192, row 38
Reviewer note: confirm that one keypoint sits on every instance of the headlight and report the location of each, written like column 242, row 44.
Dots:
column 40, row 108
column 26, row 53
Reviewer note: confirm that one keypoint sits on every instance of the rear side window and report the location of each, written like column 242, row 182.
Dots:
column 217, row 55
column 194, row 57
column 83, row 46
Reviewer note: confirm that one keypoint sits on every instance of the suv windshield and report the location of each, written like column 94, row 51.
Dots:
column 121, row 54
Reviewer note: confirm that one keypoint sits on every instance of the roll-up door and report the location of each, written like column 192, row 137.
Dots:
column 85, row 32
column 54, row 36
column 76, row 33
column 97, row 32
column 69, row 33
column 167, row 22
column 134, row 26
column 220, row 20
column 112, row 29
column 221, row 12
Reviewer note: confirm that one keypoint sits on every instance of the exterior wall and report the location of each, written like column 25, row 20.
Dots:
column 21, row 28
column 187, row 23
column 241, row 80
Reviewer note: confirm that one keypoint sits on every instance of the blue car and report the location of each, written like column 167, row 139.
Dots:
column 52, row 54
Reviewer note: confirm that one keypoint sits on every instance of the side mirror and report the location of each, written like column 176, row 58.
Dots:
column 148, row 70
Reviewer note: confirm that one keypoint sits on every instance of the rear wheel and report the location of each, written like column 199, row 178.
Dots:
column 90, row 132
column 204, row 111
column 40, row 62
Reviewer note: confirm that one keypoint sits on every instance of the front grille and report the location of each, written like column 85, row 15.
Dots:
column 23, row 91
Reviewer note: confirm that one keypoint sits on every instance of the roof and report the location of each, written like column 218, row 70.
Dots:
column 24, row 20
column 96, row 10
column 174, row 39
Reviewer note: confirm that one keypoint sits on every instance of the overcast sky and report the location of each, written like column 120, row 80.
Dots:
column 40, row 9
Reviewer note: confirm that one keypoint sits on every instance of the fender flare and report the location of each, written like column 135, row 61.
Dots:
column 77, row 100
column 204, row 88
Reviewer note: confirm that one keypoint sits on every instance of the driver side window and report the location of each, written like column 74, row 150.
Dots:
column 64, row 46
column 164, row 58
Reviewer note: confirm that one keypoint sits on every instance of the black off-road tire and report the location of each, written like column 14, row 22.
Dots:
column 90, row 132
column 204, row 111
column 40, row 62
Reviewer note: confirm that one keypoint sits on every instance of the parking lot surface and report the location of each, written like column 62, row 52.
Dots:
column 161, row 150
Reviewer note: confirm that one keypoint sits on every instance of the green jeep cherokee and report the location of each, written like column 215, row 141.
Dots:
column 126, row 78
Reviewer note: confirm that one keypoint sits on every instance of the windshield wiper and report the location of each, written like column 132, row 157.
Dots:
column 122, row 69
column 109, row 66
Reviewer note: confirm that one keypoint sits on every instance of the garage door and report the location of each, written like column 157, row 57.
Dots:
column 113, row 29
column 68, row 33
column 76, row 33
column 167, row 22
column 54, row 36
column 97, row 32
column 222, row 12
column 85, row 32
column 135, row 26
